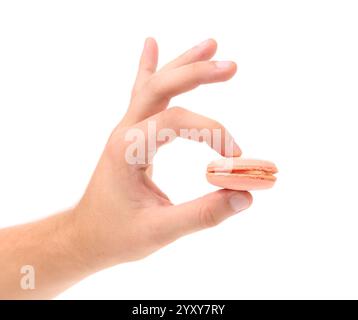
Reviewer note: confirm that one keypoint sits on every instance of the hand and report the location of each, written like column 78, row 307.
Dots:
column 123, row 215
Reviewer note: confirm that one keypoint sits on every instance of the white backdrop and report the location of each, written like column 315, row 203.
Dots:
column 66, row 70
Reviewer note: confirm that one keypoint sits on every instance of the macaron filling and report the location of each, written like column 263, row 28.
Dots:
column 255, row 173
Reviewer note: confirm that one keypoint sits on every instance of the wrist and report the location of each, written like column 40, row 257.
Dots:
column 86, row 240
column 77, row 243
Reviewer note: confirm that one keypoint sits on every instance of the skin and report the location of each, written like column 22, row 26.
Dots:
column 123, row 216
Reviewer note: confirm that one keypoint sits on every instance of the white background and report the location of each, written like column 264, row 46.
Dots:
column 66, row 70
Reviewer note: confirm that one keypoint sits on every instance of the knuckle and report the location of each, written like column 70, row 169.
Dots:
column 115, row 140
column 196, row 67
column 217, row 125
column 177, row 111
column 173, row 116
column 198, row 71
column 113, row 150
column 118, row 147
column 207, row 217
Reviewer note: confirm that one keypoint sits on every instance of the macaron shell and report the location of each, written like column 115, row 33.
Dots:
column 241, row 182
column 237, row 163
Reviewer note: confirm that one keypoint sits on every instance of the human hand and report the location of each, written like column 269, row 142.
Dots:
column 123, row 215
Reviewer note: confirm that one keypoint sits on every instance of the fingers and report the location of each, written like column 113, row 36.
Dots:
column 148, row 61
column 201, row 52
column 153, row 90
column 163, row 86
column 179, row 122
column 205, row 212
column 142, row 140
column 185, row 78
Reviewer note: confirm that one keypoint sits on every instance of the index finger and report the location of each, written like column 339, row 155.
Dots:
column 164, row 127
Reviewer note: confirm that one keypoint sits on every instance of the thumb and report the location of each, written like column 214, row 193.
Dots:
column 207, row 211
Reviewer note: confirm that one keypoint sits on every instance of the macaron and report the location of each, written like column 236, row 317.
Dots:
column 241, row 174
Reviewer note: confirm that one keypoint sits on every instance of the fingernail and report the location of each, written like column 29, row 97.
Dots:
column 202, row 44
column 239, row 202
column 232, row 149
column 237, row 150
column 145, row 43
column 224, row 64
column 147, row 40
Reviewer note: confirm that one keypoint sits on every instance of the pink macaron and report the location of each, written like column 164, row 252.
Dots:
column 241, row 174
